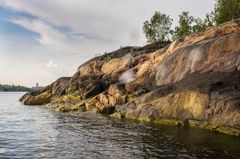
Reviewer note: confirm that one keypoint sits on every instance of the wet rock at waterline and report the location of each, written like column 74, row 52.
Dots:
column 195, row 81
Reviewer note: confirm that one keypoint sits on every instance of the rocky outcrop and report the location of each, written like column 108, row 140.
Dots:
column 194, row 81
column 44, row 96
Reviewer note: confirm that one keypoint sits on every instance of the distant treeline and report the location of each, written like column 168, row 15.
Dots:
column 13, row 88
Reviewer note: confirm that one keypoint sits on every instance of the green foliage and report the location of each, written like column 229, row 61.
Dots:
column 188, row 24
column 198, row 26
column 226, row 10
column 201, row 25
column 158, row 28
column 185, row 25
column 210, row 19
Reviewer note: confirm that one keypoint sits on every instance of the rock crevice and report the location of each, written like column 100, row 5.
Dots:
column 194, row 81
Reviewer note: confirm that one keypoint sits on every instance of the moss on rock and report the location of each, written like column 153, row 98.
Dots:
column 228, row 130
column 40, row 99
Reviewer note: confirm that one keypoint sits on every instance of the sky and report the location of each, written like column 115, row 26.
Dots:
column 42, row 40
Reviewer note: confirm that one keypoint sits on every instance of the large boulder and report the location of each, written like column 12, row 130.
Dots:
column 194, row 81
column 44, row 96
column 40, row 99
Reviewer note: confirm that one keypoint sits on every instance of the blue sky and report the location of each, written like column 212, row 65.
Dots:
column 41, row 41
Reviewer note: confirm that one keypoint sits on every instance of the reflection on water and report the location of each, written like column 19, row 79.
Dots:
column 37, row 132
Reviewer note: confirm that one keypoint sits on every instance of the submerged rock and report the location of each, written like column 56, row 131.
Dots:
column 195, row 81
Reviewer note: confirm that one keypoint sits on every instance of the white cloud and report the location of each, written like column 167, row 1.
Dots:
column 72, row 31
column 51, row 64
column 64, row 42
column 48, row 36
column 112, row 20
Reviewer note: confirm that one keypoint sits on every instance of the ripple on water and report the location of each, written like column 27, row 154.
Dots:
column 36, row 132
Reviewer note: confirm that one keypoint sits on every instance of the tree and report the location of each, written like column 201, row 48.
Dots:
column 158, row 28
column 188, row 24
column 209, row 20
column 226, row 10
column 185, row 25
column 201, row 25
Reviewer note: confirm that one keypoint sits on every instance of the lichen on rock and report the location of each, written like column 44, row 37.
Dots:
column 195, row 82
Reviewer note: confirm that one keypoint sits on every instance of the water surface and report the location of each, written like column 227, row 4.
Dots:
column 37, row 132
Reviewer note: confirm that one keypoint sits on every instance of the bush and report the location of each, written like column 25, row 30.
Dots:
column 226, row 10
column 157, row 30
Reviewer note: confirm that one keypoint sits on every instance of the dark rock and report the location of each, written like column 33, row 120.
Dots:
column 93, row 89
column 194, row 81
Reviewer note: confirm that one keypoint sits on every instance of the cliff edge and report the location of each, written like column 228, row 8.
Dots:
column 194, row 81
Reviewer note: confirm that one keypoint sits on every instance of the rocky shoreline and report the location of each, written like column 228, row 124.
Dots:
column 193, row 82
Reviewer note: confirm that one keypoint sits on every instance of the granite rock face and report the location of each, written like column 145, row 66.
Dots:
column 194, row 81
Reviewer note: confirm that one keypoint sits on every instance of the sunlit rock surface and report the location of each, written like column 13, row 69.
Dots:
column 195, row 81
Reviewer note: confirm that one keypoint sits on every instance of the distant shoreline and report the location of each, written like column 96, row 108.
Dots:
column 13, row 88
column 14, row 91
